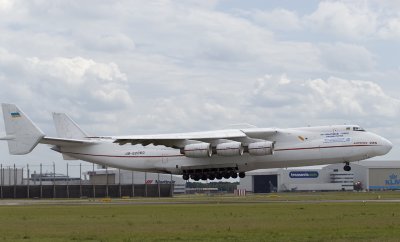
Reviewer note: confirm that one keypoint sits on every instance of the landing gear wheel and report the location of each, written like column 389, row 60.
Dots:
column 234, row 175
column 242, row 174
column 226, row 175
column 185, row 177
column 211, row 176
column 195, row 177
column 347, row 168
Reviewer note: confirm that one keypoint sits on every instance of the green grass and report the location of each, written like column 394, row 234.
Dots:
column 297, row 196
column 218, row 221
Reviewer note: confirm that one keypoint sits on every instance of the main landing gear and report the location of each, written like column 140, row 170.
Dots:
column 212, row 174
column 347, row 166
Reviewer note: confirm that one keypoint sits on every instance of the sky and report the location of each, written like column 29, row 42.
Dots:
column 144, row 67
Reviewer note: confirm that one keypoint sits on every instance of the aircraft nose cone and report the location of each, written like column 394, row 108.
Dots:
column 387, row 145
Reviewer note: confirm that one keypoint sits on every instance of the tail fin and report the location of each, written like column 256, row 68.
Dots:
column 22, row 134
column 67, row 128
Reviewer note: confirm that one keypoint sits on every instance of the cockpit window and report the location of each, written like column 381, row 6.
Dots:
column 358, row 129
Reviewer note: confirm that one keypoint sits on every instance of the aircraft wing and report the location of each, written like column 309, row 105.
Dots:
column 179, row 140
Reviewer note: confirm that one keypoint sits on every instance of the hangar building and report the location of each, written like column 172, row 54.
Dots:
column 364, row 175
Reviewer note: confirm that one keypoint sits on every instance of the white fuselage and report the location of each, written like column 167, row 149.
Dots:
column 292, row 147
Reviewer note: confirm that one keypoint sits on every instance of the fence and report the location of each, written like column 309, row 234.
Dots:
column 21, row 182
column 84, row 191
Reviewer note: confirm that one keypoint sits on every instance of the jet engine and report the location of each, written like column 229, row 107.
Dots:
column 261, row 148
column 230, row 149
column 198, row 150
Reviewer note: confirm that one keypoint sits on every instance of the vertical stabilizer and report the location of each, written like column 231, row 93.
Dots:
column 22, row 134
column 67, row 128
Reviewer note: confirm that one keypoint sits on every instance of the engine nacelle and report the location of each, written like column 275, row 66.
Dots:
column 230, row 149
column 261, row 148
column 197, row 150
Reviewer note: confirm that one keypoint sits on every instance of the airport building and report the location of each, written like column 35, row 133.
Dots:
column 11, row 176
column 364, row 175
column 116, row 176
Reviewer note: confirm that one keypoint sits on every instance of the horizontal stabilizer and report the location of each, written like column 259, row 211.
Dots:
column 65, row 141
column 62, row 142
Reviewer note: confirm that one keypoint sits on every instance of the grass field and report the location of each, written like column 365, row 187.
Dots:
column 221, row 220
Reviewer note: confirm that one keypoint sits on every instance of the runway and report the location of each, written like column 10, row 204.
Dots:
column 155, row 201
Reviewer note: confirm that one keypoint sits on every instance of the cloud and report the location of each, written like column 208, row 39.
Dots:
column 108, row 42
column 347, row 57
column 186, row 35
column 277, row 19
column 333, row 97
column 164, row 66
column 353, row 98
column 81, row 81
column 357, row 20
column 6, row 5
column 391, row 30
column 349, row 19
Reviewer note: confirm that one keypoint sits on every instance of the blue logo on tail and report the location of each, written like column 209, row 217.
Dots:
column 15, row 115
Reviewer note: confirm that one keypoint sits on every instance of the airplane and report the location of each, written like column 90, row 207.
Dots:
column 206, row 155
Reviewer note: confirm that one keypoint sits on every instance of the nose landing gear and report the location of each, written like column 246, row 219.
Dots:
column 347, row 166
